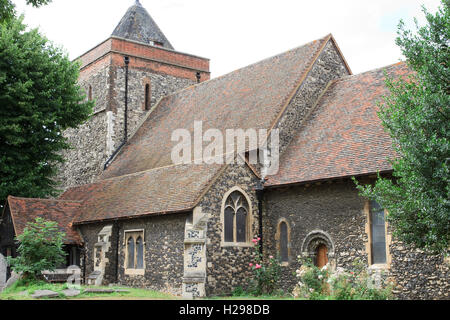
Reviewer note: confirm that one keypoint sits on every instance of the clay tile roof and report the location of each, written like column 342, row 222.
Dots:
column 158, row 191
column 343, row 136
column 61, row 211
column 138, row 25
column 251, row 97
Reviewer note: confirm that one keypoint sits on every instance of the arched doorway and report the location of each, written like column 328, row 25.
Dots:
column 319, row 247
column 321, row 256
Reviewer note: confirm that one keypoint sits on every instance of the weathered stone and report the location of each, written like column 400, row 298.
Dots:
column 42, row 294
column 122, row 290
column 3, row 270
column 71, row 292
column 13, row 279
column 95, row 290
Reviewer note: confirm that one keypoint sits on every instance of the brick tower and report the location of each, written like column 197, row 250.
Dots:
column 153, row 70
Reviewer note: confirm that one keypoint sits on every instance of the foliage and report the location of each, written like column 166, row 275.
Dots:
column 40, row 248
column 39, row 98
column 7, row 10
column 327, row 284
column 417, row 117
column 266, row 275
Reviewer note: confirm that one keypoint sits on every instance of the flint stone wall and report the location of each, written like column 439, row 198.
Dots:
column 95, row 141
column 164, row 248
column 163, row 252
column 228, row 267
column 337, row 209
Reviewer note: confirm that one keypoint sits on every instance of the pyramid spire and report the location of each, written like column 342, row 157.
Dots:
column 138, row 25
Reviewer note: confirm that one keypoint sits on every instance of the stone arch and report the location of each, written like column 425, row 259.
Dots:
column 249, row 213
column 314, row 240
column 278, row 238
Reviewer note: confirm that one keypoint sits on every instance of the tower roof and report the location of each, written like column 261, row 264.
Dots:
column 138, row 25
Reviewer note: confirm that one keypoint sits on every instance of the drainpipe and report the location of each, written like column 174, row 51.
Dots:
column 84, row 264
column 125, row 138
column 260, row 196
column 127, row 61
column 117, row 250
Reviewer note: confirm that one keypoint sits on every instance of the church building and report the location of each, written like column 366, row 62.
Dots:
column 133, row 217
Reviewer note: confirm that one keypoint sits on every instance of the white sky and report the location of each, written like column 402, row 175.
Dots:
column 236, row 33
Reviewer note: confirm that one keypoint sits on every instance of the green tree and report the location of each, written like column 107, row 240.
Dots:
column 417, row 117
column 7, row 11
column 40, row 248
column 39, row 99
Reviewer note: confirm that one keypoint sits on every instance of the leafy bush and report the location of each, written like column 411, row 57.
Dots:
column 339, row 284
column 266, row 275
column 40, row 248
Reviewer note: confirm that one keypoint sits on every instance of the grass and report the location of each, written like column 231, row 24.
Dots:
column 22, row 290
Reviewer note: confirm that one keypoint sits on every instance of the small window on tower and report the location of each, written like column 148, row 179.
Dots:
column 147, row 96
column 90, row 93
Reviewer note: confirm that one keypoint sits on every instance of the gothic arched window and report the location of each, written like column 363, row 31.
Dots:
column 236, row 218
column 130, row 257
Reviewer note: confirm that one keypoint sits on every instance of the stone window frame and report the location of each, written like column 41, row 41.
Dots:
column 312, row 242
column 248, row 243
column 388, row 240
column 135, row 235
column 278, row 240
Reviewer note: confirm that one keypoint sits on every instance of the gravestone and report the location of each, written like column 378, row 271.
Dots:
column 3, row 271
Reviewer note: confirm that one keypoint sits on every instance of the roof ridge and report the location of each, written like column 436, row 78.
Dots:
column 43, row 199
column 304, row 75
column 348, row 77
column 240, row 69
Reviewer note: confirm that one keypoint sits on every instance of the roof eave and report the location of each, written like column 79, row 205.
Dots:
column 304, row 182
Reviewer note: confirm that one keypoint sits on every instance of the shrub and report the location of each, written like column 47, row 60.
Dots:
column 266, row 275
column 340, row 284
column 40, row 249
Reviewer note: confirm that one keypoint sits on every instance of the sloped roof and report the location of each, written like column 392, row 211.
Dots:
column 138, row 25
column 63, row 212
column 157, row 191
column 343, row 136
column 251, row 97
